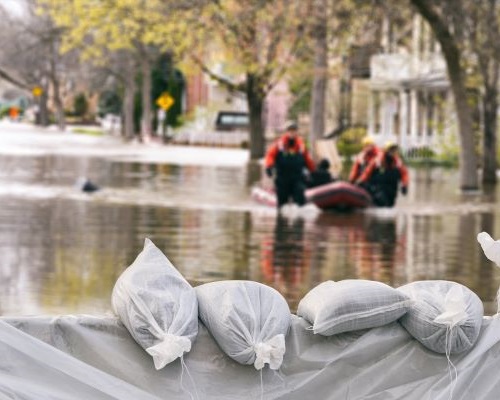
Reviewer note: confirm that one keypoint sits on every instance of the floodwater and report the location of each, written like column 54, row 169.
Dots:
column 61, row 250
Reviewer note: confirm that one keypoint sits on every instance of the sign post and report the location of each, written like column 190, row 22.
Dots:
column 37, row 92
column 165, row 101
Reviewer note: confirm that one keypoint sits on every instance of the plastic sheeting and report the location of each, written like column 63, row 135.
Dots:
column 87, row 357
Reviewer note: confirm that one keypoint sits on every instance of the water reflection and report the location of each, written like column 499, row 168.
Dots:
column 285, row 260
column 61, row 251
column 364, row 247
column 378, row 251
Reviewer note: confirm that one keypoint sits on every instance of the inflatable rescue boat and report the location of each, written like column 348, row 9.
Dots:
column 338, row 195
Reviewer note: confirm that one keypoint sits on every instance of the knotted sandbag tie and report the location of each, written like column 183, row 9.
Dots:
column 455, row 309
column 170, row 348
column 270, row 352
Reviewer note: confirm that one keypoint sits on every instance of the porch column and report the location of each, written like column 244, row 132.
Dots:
column 383, row 115
column 425, row 119
column 371, row 113
column 413, row 118
column 403, row 119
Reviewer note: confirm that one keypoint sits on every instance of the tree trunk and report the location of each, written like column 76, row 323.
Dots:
column 318, row 94
column 255, row 100
column 146, row 120
column 468, row 160
column 42, row 116
column 128, row 105
column 60, row 117
column 489, row 135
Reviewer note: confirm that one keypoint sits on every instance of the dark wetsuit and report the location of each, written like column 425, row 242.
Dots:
column 382, row 178
column 290, row 181
column 320, row 177
column 383, row 186
column 289, row 158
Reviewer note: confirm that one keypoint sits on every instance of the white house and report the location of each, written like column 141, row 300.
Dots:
column 410, row 98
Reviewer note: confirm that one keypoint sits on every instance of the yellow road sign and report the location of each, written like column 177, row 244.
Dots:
column 37, row 91
column 165, row 101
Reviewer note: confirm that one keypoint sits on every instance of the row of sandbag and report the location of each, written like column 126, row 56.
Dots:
column 250, row 321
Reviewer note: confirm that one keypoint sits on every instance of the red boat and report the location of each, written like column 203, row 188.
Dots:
column 338, row 195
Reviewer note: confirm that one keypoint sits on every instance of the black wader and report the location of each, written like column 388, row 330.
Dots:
column 290, row 182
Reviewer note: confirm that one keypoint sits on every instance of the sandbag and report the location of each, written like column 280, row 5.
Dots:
column 350, row 305
column 157, row 305
column 445, row 316
column 491, row 247
column 248, row 320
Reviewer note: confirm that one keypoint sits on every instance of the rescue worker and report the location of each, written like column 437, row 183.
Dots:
column 286, row 160
column 369, row 152
column 383, row 176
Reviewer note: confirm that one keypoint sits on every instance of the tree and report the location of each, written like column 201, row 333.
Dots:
column 141, row 29
column 320, row 76
column 7, row 37
column 444, row 28
column 260, row 39
column 480, row 20
column 474, row 26
column 119, row 30
column 333, row 28
column 30, row 47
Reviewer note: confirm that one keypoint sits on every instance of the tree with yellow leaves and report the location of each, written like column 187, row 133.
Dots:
column 259, row 41
column 133, row 31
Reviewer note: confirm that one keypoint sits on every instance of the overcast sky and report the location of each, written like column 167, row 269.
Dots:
column 14, row 6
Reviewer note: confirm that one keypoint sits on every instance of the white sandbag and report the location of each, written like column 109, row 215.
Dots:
column 350, row 305
column 491, row 248
column 247, row 319
column 445, row 316
column 157, row 305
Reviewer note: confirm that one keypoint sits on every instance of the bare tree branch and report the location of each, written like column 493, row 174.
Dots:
column 240, row 87
column 6, row 76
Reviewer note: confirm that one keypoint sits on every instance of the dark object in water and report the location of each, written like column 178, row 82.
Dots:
column 87, row 186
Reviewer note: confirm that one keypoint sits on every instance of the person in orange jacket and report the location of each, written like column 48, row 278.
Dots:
column 286, row 161
column 383, row 176
column 369, row 152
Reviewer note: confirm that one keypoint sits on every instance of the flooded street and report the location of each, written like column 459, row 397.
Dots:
column 62, row 250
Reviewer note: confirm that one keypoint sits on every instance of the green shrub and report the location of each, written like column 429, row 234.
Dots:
column 109, row 103
column 80, row 105
column 4, row 112
column 349, row 142
column 424, row 152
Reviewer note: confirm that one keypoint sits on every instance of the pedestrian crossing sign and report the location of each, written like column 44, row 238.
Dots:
column 165, row 101
column 37, row 91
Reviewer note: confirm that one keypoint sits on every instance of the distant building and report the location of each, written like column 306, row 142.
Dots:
column 12, row 96
column 410, row 101
column 211, row 97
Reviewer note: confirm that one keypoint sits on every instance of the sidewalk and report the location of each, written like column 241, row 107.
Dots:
column 26, row 139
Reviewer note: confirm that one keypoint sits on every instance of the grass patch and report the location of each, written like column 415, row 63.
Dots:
column 88, row 131
column 431, row 162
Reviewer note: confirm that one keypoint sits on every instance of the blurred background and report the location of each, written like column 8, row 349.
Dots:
column 168, row 107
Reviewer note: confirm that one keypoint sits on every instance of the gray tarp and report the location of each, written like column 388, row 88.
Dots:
column 88, row 357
